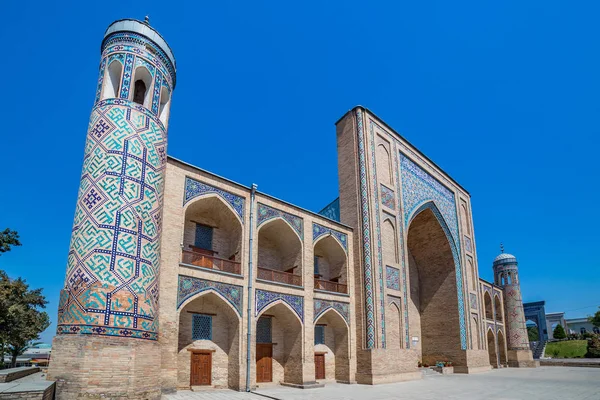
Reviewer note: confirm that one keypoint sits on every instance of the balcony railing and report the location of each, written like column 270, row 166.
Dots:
column 272, row 275
column 211, row 262
column 330, row 286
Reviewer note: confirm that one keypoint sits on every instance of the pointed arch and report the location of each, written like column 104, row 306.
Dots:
column 205, row 292
column 430, row 205
column 498, row 308
column 327, row 311
column 487, row 302
column 390, row 242
column 280, row 251
column 142, row 86
column 383, row 164
column 340, row 244
column 112, row 80
column 272, row 220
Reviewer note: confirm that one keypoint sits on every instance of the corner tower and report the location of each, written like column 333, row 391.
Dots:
column 506, row 275
column 107, row 334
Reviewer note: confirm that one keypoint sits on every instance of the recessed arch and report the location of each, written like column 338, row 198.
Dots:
column 491, row 342
column 383, row 164
column 280, row 252
column 390, row 242
column 164, row 105
column 205, row 292
column 498, row 308
column 279, row 302
column 334, row 238
column 141, row 86
column 333, row 310
column 501, row 347
column 112, row 80
column 331, row 341
column 487, row 301
column 394, row 331
column 215, row 195
column 330, row 265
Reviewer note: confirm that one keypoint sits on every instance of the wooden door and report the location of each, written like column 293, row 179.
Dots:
column 264, row 362
column 319, row 366
column 201, row 369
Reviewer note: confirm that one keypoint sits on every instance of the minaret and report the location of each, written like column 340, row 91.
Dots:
column 506, row 275
column 107, row 335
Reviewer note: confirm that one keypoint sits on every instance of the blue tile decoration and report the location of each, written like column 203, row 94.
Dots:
column 387, row 197
column 392, row 277
column 264, row 298
column 320, row 230
column 366, row 236
column 100, row 80
column 189, row 286
column 473, row 301
column 194, row 188
column 127, row 76
column 332, row 210
column 140, row 62
column 378, row 225
column 111, row 285
column 266, row 213
column 468, row 244
column 402, row 256
column 323, row 305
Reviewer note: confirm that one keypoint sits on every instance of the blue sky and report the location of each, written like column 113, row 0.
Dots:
column 503, row 96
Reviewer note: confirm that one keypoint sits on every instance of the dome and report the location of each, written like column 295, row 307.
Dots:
column 505, row 258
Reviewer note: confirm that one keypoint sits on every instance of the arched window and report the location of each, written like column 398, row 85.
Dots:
column 384, row 172
column 165, row 104
column 141, row 86
column 112, row 80
column 390, row 248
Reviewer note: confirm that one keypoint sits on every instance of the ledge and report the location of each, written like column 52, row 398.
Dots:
column 333, row 293
column 216, row 271
column 280, row 284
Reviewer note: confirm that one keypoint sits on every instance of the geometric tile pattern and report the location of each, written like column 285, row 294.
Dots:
column 378, row 237
column 387, row 197
column 264, row 298
column 194, row 188
column 473, row 301
column 189, row 286
column 332, row 210
column 111, row 285
column 468, row 244
column 320, row 230
column 266, row 213
column 392, row 277
column 366, row 237
column 323, row 305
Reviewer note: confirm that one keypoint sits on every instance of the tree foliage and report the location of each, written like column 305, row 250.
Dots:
column 595, row 319
column 21, row 320
column 559, row 332
column 533, row 334
column 8, row 238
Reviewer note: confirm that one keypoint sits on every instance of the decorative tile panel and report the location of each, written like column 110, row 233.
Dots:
column 266, row 213
column 332, row 210
column 264, row 298
column 194, row 188
column 468, row 244
column 100, row 80
column 111, row 285
column 473, row 301
column 320, row 230
column 378, row 238
column 323, row 305
column 189, row 286
column 366, row 235
column 387, row 197
column 392, row 277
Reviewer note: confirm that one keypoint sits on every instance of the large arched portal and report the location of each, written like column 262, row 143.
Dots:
column 434, row 316
column 278, row 345
column 209, row 343
column 332, row 353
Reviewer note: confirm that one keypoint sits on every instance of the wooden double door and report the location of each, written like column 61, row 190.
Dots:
column 319, row 366
column 264, row 362
column 201, row 369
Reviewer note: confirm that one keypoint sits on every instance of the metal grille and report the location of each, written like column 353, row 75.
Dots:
column 204, row 237
column 320, row 334
column 263, row 330
column 202, row 327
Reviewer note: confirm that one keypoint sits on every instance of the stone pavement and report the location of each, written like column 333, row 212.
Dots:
column 547, row 383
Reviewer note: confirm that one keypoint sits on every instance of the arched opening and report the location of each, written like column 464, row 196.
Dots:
column 279, row 253
column 487, row 301
column 491, row 342
column 165, row 105
column 112, row 80
column 502, row 349
column 332, row 354
column 393, row 327
column 141, row 86
column 390, row 244
column 278, row 345
column 209, row 343
column 330, row 266
column 476, row 333
column 532, row 331
column 433, row 308
column 212, row 236
column 498, row 308
column 383, row 164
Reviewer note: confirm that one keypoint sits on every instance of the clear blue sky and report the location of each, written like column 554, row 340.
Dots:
column 512, row 87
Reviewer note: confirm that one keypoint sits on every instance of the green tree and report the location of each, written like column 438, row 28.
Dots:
column 21, row 320
column 559, row 332
column 532, row 333
column 595, row 319
column 8, row 238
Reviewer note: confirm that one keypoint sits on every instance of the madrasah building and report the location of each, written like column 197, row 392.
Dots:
column 178, row 278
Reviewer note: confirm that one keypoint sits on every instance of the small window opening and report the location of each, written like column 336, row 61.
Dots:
column 263, row 330
column 139, row 92
column 320, row 334
column 202, row 327
column 204, row 237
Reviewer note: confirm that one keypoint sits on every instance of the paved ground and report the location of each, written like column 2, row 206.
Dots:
column 33, row 382
column 547, row 383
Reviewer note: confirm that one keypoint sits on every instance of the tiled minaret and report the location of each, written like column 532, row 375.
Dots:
column 506, row 275
column 107, row 336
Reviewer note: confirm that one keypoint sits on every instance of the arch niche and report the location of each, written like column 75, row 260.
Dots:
column 433, row 303
column 278, row 350
column 491, row 342
column 330, row 268
column 487, row 301
column 502, row 348
column 279, row 253
column 222, row 344
column 335, row 347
